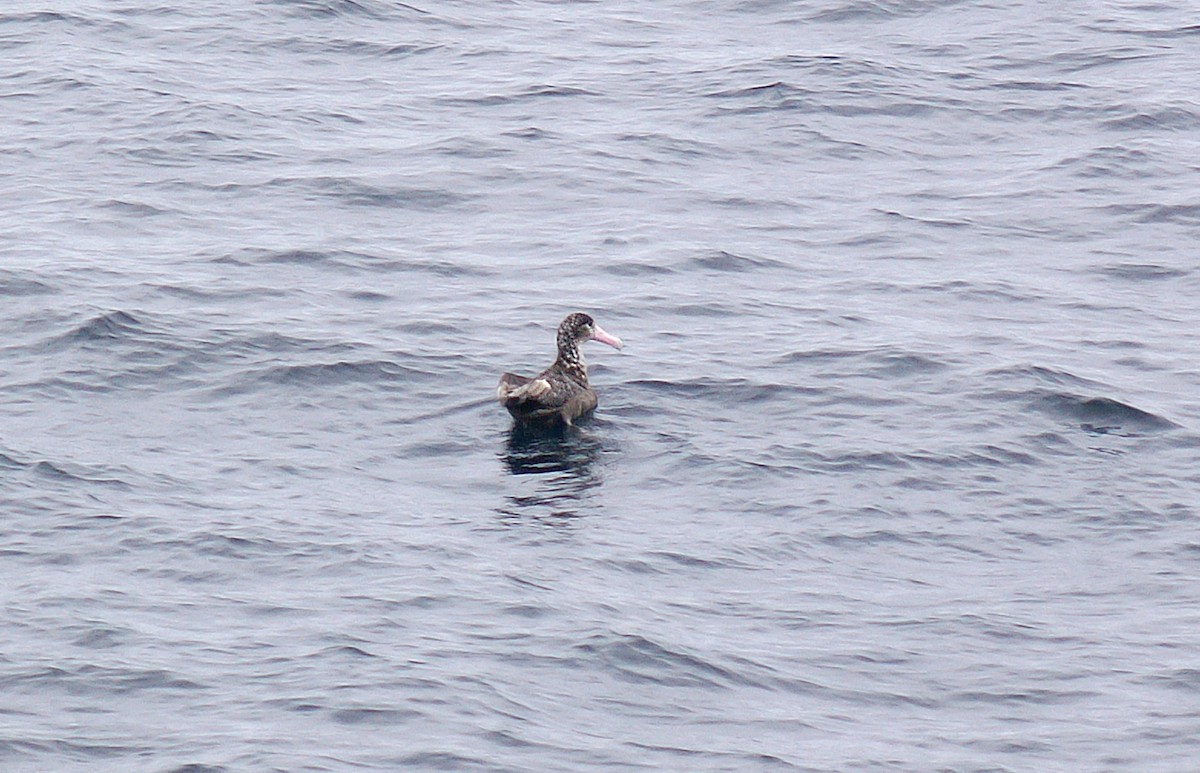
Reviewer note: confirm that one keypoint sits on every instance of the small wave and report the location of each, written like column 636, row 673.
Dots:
column 541, row 91
column 106, row 327
column 320, row 9
column 371, row 716
column 12, row 285
column 881, row 9
column 356, row 193
column 902, row 364
column 634, row 268
column 61, row 473
column 1141, row 271
column 728, row 261
column 1171, row 118
column 347, row 46
column 100, row 680
column 1045, row 375
column 885, row 363
column 347, row 260
column 936, row 222
column 778, row 89
column 1182, row 214
column 724, row 390
column 1170, row 33
column 47, row 17
column 138, row 208
column 1100, row 414
column 639, row 659
column 1187, row 679
column 1077, row 61
column 342, row 372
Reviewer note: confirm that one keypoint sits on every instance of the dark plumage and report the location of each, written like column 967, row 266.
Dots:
column 560, row 393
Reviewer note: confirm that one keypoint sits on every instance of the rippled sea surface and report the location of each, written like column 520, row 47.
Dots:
column 899, row 469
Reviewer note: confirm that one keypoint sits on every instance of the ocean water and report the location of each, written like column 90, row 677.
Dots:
column 898, row 471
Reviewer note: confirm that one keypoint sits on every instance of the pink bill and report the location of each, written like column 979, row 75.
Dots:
column 605, row 338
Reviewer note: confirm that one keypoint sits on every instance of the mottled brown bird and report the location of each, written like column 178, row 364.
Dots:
column 560, row 393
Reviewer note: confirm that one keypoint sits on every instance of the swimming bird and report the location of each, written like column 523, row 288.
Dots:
column 560, row 393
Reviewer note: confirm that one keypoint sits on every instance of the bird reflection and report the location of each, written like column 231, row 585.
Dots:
column 560, row 462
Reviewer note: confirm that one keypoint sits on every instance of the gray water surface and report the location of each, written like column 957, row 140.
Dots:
column 899, row 469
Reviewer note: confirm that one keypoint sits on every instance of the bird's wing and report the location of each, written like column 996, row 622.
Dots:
column 520, row 388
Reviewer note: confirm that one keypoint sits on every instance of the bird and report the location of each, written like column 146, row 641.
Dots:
column 560, row 394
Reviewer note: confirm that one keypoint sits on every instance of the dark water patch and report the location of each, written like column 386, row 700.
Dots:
column 252, row 343
column 1180, row 214
column 299, row 257
column 935, row 222
column 324, row 9
column 530, row 133
column 347, row 260
column 1141, row 271
column 1186, row 679
column 892, row 365
column 1110, row 161
column 1100, row 415
column 374, row 717
column 11, row 284
column 860, row 461
column 199, row 136
column 198, row 767
column 195, row 293
column 695, row 562
column 783, row 97
column 725, row 391
column 994, row 291
column 1168, row 119
column 50, row 17
column 707, row 759
column 552, row 450
column 102, row 638
column 876, row 537
column 773, row 90
column 383, row 372
column 729, row 262
column 714, row 309
column 137, row 208
column 1027, row 85
column 867, row 10
column 1170, row 33
column 85, row 753
column 986, row 456
column 366, row 48
column 436, row 449
column 819, row 355
column 65, row 473
column 1044, row 375
column 540, row 91
column 679, row 147
column 355, row 193
column 885, row 363
column 1035, row 696
column 106, row 328
column 370, row 296
column 447, row 761
column 638, row 659
column 636, row 566
column 231, row 546
column 1072, row 62
column 99, row 680
column 469, row 148
column 635, row 268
